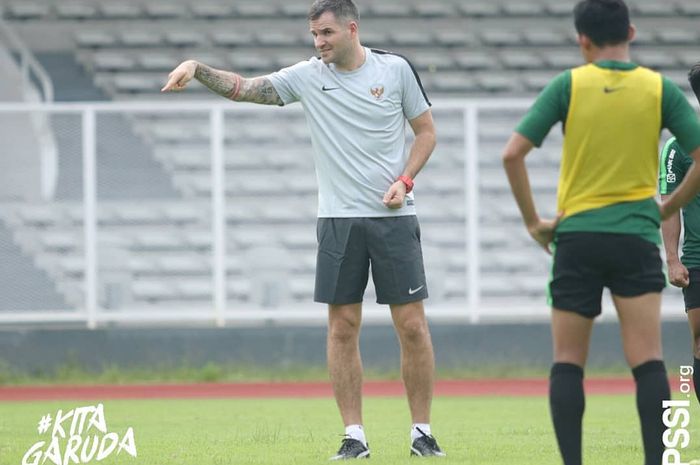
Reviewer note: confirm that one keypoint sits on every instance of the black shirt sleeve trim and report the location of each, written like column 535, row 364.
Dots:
column 415, row 73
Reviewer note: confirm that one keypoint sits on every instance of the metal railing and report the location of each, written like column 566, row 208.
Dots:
column 29, row 65
column 474, row 309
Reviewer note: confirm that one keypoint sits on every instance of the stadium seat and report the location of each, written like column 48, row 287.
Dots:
column 644, row 37
column 535, row 82
column 76, row 10
column 70, row 266
column 680, row 78
column 140, row 214
column 138, row 82
column 185, row 38
column 688, row 58
column 689, row 8
column 141, row 38
column 159, row 60
column 231, row 38
column 61, row 241
column 113, row 60
column 497, row 83
column 40, row 216
column 120, row 10
column 152, row 290
column 519, row 59
column 411, row 38
column 479, row 8
column 454, row 38
column 375, row 38
column 208, row 10
column 522, row 8
column 302, row 184
column 561, row 60
column 251, row 61
column 198, row 239
column 141, row 265
column 27, row 10
column 434, row 9
column 278, row 38
column 302, row 288
column 294, row 10
column 546, row 37
column 304, row 239
column 93, row 38
column 238, row 289
column 390, row 9
column 501, row 38
column 190, row 265
column 560, row 8
column 157, row 240
column 474, row 60
column 165, row 10
column 654, row 58
column 431, row 60
column 653, row 9
column 677, row 36
column 291, row 56
column 256, row 10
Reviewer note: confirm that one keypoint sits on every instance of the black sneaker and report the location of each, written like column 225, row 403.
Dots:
column 351, row 449
column 426, row 446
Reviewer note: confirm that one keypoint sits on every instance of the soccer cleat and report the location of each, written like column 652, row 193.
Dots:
column 426, row 446
column 351, row 449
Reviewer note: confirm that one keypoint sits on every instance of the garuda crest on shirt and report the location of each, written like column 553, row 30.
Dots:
column 377, row 91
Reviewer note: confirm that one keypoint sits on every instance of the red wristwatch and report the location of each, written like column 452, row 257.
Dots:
column 408, row 182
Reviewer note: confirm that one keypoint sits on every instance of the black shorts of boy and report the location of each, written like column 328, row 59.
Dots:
column 587, row 262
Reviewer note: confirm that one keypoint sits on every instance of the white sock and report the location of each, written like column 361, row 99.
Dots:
column 356, row 432
column 415, row 434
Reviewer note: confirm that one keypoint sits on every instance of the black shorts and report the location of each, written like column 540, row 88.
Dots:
column 586, row 262
column 691, row 294
column 347, row 247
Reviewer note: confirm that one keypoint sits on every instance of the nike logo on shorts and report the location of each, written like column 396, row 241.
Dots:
column 412, row 291
column 326, row 89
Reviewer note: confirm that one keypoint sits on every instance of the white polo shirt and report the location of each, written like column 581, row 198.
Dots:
column 357, row 122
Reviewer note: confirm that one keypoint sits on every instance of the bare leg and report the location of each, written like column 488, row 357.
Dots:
column 417, row 360
column 641, row 339
column 640, row 325
column 344, row 362
column 571, row 335
column 694, row 323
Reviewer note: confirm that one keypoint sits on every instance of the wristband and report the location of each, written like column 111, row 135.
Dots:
column 408, row 182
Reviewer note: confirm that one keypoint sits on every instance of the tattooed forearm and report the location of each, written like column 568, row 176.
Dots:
column 235, row 87
column 258, row 90
column 223, row 83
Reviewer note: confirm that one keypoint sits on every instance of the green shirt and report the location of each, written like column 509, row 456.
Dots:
column 641, row 217
column 672, row 169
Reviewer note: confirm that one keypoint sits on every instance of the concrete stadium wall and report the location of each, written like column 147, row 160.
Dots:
column 459, row 347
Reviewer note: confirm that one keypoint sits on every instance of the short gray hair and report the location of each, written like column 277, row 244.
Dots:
column 342, row 9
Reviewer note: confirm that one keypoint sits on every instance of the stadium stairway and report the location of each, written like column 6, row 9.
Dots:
column 30, row 288
column 126, row 166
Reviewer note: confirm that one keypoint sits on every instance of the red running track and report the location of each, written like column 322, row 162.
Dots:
column 481, row 387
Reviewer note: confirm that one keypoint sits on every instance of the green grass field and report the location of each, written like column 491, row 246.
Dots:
column 513, row 430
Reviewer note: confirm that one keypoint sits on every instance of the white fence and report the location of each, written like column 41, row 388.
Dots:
column 480, row 264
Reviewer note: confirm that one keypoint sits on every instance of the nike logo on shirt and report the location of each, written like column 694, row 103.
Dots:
column 326, row 89
column 609, row 90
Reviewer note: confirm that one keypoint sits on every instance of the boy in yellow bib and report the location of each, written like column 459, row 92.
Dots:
column 607, row 231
